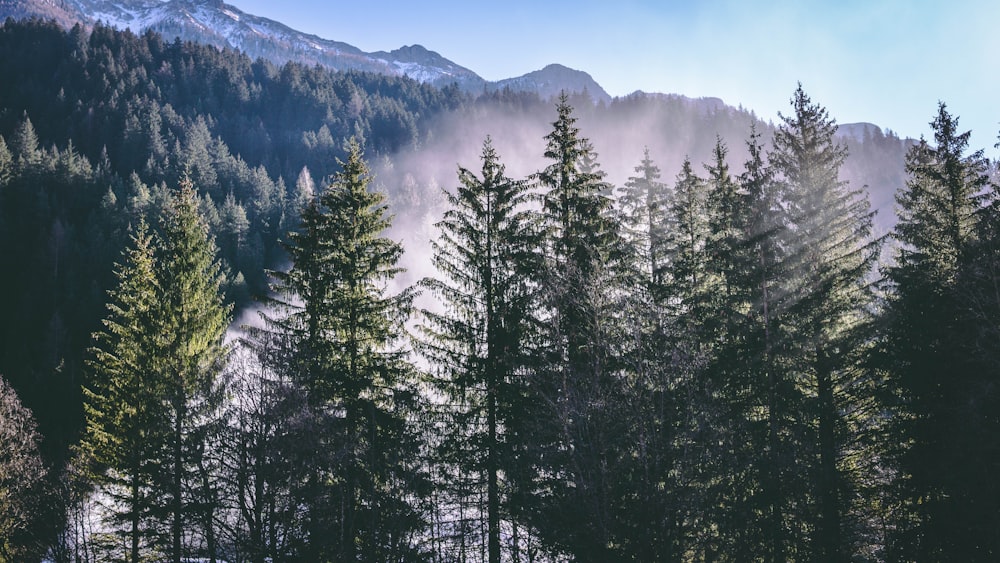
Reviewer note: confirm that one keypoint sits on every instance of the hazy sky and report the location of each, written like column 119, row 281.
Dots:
column 882, row 61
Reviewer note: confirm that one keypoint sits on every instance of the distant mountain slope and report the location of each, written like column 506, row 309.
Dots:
column 858, row 131
column 552, row 80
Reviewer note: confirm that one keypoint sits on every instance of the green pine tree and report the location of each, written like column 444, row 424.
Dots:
column 688, row 286
column 190, row 357
column 931, row 366
column 576, row 428
column 342, row 348
column 24, row 144
column 725, row 210
column 123, row 402
column 833, row 254
column 485, row 253
column 756, row 384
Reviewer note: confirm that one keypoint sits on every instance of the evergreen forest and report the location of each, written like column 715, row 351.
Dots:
column 259, row 313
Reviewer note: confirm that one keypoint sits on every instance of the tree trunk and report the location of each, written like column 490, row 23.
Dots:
column 771, row 482
column 176, row 525
column 829, row 528
column 493, row 490
column 209, row 510
column 135, row 511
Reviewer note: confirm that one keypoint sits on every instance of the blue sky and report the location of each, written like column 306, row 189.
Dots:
column 881, row 61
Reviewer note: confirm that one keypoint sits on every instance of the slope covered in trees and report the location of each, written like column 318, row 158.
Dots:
column 669, row 342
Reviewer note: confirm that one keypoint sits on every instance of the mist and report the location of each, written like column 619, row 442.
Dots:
column 672, row 127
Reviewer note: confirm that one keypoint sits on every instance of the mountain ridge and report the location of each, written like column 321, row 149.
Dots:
column 222, row 25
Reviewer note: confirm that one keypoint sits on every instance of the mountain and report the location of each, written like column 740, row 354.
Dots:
column 423, row 65
column 216, row 23
column 552, row 80
column 858, row 131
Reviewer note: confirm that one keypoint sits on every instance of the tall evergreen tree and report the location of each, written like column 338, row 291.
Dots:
column 833, row 257
column 191, row 355
column 125, row 416
column 575, row 208
column 688, row 284
column 931, row 366
column 719, row 305
column 578, row 430
column 725, row 210
column 24, row 144
column 486, row 251
column 757, row 384
column 648, row 498
column 342, row 349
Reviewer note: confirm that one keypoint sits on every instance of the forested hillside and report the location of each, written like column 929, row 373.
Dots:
column 486, row 327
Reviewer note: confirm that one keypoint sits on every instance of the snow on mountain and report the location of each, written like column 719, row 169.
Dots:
column 421, row 64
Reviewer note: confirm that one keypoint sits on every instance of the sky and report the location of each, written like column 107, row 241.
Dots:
column 887, row 62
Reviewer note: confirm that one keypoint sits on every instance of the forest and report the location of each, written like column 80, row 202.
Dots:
column 256, row 313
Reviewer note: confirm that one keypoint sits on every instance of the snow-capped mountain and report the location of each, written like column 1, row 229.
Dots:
column 216, row 23
column 222, row 25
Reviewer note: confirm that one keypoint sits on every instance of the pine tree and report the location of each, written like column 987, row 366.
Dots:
column 575, row 209
column 24, row 144
column 833, row 257
column 485, row 253
column 686, row 243
column 719, row 305
column 576, row 429
column 758, row 383
column 931, row 368
column 644, row 206
column 125, row 416
column 191, row 355
column 725, row 211
column 341, row 349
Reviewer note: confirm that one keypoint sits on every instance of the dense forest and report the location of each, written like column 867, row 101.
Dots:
column 259, row 313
